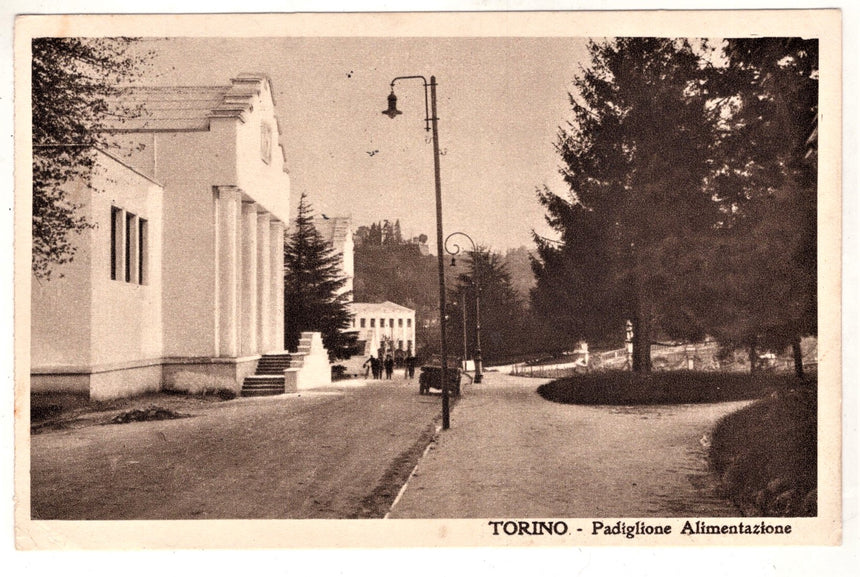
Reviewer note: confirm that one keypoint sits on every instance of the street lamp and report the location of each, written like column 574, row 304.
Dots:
column 431, row 123
column 479, row 369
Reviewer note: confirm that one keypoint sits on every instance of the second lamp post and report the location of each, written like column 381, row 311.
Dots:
column 476, row 282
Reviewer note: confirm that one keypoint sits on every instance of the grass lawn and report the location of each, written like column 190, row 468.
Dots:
column 766, row 454
column 661, row 388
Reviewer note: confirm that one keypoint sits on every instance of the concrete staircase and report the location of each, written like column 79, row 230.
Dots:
column 309, row 366
column 268, row 379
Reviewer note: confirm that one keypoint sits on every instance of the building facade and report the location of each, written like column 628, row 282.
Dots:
column 384, row 328
column 337, row 230
column 95, row 325
column 214, row 259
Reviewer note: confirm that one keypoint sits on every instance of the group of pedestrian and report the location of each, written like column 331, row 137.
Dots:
column 379, row 366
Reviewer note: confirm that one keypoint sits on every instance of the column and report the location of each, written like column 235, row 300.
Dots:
column 228, row 270
column 264, row 281
column 276, row 269
column 249, row 279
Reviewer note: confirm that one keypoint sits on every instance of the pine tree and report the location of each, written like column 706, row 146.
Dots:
column 74, row 85
column 765, row 263
column 636, row 160
column 504, row 330
column 313, row 281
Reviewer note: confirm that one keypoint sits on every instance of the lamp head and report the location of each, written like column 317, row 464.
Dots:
column 392, row 106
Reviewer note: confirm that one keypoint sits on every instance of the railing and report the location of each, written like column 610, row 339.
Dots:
column 692, row 356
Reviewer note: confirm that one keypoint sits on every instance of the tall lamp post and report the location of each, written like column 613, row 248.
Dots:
column 479, row 368
column 431, row 123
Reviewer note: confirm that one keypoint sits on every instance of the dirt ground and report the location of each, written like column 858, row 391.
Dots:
column 344, row 452
column 341, row 452
column 511, row 454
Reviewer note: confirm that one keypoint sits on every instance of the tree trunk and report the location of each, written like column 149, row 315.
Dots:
column 641, row 343
column 797, row 353
column 753, row 358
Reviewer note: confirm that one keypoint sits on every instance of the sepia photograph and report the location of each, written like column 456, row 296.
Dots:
column 356, row 280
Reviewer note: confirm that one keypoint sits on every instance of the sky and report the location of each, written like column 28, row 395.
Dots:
column 500, row 104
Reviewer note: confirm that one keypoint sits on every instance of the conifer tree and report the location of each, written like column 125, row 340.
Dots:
column 313, row 283
column 764, row 262
column 502, row 313
column 636, row 160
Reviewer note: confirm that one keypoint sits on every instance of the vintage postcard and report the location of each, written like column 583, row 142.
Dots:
column 553, row 279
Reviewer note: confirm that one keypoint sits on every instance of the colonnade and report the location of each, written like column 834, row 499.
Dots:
column 249, row 308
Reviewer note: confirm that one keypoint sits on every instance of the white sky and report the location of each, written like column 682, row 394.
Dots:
column 500, row 103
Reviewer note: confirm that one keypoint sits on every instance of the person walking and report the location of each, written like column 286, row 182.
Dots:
column 369, row 365
column 389, row 366
column 410, row 366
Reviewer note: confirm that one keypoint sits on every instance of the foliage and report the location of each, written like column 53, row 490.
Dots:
column 663, row 387
column 399, row 271
column 383, row 233
column 766, row 454
column 505, row 328
column 636, row 159
column 692, row 202
column 74, row 82
column 518, row 262
column 313, row 283
column 765, row 253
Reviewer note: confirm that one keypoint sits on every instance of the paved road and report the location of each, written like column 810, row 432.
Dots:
column 511, row 454
column 345, row 452
column 323, row 454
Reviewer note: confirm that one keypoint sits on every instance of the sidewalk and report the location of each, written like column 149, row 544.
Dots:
column 511, row 454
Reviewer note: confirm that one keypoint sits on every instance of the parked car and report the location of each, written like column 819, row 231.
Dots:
column 431, row 378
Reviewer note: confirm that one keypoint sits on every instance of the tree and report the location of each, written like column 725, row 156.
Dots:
column 767, row 183
column 313, row 283
column 504, row 328
column 401, row 274
column 518, row 262
column 74, row 85
column 636, row 159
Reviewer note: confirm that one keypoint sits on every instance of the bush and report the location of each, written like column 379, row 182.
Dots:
column 671, row 387
column 338, row 372
column 766, row 454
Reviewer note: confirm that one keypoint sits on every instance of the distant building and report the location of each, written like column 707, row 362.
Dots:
column 180, row 284
column 384, row 328
column 338, row 231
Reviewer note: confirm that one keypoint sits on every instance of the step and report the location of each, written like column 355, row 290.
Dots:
column 262, row 392
column 263, row 385
column 264, row 379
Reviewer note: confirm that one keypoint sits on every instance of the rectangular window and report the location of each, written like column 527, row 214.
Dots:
column 116, row 235
column 399, row 345
column 409, row 346
column 409, row 323
column 382, row 323
column 142, row 251
column 391, row 323
column 362, row 322
column 266, row 142
column 372, row 323
column 400, row 323
column 129, row 246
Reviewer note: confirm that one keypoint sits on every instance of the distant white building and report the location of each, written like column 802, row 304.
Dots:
column 337, row 230
column 180, row 284
column 384, row 328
